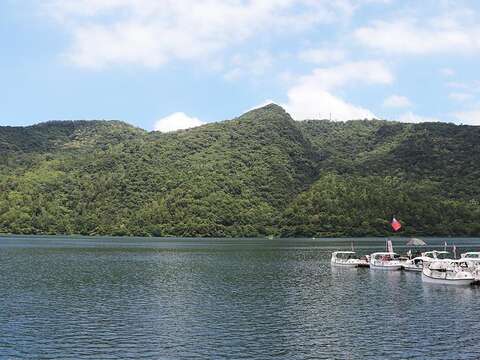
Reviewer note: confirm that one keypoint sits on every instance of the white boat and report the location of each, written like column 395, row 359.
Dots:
column 345, row 258
column 415, row 264
column 364, row 261
column 472, row 256
column 473, row 260
column 385, row 261
column 436, row 255
column 447, row 272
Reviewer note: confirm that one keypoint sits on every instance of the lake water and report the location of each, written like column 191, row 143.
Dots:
column 130, row 298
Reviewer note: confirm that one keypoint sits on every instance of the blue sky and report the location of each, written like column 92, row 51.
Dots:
column 169, row 64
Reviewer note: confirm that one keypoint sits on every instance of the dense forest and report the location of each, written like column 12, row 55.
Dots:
column 257, row 175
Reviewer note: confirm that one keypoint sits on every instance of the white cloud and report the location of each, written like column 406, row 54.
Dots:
column 473, row 86
column 420, row 37
column 470, row 117
column 177, row 121
column 448, row 72
column 254, row 65
column 312, row 98
column 151, row 33
column 323, row 55
column 349, row 74
column 410, row 117
column 457, row 85
column 310, row 102
column 460, row 96
column 397, row 101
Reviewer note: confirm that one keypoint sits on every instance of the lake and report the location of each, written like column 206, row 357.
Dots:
column 136, row 298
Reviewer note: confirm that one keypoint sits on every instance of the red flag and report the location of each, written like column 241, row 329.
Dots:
column 396, row 224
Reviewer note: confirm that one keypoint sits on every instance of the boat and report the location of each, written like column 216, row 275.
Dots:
column 385, row 261
column 364, row 261
column 345, row 258
column 473, row 260
column 472, row 256
column 415, row 264
column 436, row 255
column 447, row 272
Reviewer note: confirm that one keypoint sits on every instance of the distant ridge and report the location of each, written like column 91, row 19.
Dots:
column 50, row 135
column 256, row 175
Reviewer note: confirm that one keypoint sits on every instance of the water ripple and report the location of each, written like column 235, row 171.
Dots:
column 149, row 301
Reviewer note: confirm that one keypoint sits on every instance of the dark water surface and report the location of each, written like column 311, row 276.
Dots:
column 128, row 298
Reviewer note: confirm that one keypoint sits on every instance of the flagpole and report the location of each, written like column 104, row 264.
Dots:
column 396, row 225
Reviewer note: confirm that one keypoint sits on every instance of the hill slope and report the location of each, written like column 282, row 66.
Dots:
column 259, row 174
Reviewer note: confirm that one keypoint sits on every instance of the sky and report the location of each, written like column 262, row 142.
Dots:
column 171, row 64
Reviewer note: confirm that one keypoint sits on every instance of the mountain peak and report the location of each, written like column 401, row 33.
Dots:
column 268, row 113
column 271, row 108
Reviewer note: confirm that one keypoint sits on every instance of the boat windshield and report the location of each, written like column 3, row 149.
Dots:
column 442, row 256
column 472, row 256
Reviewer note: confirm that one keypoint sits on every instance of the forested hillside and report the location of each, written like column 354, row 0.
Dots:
column 259, row 174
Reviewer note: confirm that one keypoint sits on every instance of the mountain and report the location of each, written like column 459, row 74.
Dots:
column 52, row 135
column 259, row 174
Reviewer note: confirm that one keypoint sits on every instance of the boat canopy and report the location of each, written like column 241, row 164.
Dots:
column 383, row 253
column 471, row 255
column 436, row 254
column 384, row 256
column 344, row 255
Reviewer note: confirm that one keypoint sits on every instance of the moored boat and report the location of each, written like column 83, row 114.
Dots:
column 473, row 256
column 436, row 255
column 385, row 261
column 345, row 258
column 447, row 272
column 415, row 264
column 473, row 260
column 364, row 261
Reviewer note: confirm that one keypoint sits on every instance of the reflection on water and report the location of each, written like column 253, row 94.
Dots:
column 128, row 298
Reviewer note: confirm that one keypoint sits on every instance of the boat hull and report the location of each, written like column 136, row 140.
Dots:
column 346, row 265
column 456, row 282
column 364, row 264
column 386, row 267
column 413, row 269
